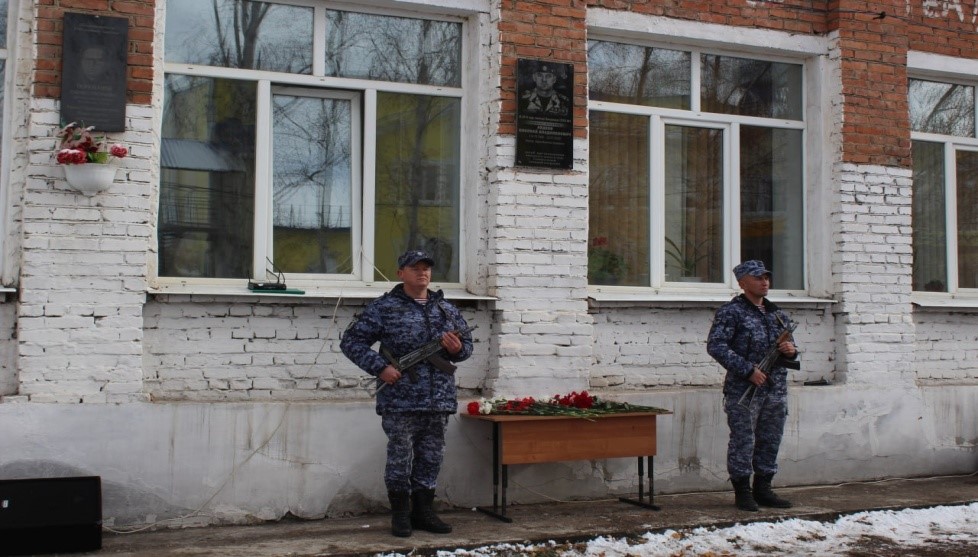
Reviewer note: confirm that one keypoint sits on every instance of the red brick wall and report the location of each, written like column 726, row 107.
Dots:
column 876, row 128
column 876, row 123
column 50, row 21
column 548, row 30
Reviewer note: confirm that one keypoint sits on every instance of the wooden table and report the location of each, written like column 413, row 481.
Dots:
column 519, row 439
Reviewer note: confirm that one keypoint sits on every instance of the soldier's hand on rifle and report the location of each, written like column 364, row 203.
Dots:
column 451, row 343
column 389, row 375
column 758, row 377
column 787, row 348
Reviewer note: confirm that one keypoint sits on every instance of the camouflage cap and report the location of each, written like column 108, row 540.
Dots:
column 412, row 256
column 753, row 268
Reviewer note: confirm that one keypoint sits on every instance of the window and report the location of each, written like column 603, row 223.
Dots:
column 945, row 186
column 323, row 142
column 696, row 163
column 5, row 70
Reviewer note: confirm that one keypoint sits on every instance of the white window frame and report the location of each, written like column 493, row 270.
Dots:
column 947, row 69
column 460, row 12
column 730, row 124
column 13, row 13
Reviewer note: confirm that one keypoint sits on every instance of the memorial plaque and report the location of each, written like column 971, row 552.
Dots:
column 545, row 115
column 93, row 71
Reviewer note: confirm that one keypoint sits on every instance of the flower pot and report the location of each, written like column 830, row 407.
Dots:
column 89, row 178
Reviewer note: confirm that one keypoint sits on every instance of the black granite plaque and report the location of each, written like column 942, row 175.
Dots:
column 93, row 71
column 545, row 115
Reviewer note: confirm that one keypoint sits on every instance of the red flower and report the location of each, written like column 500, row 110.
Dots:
column 473, row 407
column 118, row 151
column 81, row 140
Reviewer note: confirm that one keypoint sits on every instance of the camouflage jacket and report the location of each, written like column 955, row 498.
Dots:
column 401, row 325
column 740, row 337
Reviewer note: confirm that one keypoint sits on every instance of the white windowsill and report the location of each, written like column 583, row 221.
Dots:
column 946, row 301
column 339, row 292
column 695, row 297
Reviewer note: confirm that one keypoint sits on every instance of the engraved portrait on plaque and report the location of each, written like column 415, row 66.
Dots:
column 545, row 114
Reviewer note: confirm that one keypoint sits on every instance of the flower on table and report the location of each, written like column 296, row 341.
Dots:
column 80, row 146
column 583, row 405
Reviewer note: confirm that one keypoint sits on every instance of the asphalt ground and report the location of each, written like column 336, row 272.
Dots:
column 558, row 521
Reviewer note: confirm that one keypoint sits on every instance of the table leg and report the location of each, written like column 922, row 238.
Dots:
column 641, row 489
column 497, row 511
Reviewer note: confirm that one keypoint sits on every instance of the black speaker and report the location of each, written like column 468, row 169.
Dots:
column 50, row 515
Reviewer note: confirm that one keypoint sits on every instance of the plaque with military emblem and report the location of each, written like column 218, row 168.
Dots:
column 545, row 114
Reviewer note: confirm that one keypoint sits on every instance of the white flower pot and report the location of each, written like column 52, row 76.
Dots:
column 89, row 178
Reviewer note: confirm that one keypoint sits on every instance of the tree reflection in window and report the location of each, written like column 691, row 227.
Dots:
column 312, row 185
column 751, row 87
column 944, row 108
column 240, row 34
column 397, row 49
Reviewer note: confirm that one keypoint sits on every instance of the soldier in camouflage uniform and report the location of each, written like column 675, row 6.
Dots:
column 414, row 409
column 744, row 329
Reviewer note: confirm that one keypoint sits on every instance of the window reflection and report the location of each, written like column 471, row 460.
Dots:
column 751, row 87
column 929, row 226
column 967, row 180
column 240, row 34
column 417, row 170
column 398, row 49
column 207, row 178
column 3, row 23
column 638, row 75
column 943, row 108
column 618, row 190
column 771, row 202
column 312, row 187
column 694, row 204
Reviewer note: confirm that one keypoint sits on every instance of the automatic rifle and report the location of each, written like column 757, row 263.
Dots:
column 429, row 351
column 768, row 362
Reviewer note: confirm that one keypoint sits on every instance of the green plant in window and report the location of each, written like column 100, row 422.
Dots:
column 686, row 260
column 604, row 266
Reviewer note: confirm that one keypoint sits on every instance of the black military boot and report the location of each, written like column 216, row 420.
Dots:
column 742, row 496
column 400, row 513
column 765, row 496
column 423, row 515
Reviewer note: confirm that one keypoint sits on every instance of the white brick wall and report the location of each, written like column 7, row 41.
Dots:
column 538, row 270
column 946, row 346
column 83, row 271
column 872, row 274
column 661, row 347
column 212, row 348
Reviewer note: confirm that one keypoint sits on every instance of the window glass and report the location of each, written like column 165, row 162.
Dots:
column 689, row 237
column 3, row 92
column 240, row 34
column 694, row 204
column 967, row 181
column 929, row 230
column 751, row 87
column 3, row 23
column 395, row 49
column 618, row 188
column 312, row 187
column 207, row 178
column 250, row 148
column 943, row 108
column 417, row 174
column 638, row 75
column 771, row 205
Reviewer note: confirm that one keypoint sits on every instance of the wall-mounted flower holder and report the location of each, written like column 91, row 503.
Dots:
column 89, row 178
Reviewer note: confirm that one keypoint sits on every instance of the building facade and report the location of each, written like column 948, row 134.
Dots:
column 313, row 140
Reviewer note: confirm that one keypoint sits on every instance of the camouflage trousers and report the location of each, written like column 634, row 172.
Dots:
column 755, row 433
column 415, row 449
